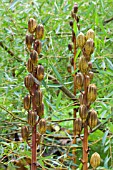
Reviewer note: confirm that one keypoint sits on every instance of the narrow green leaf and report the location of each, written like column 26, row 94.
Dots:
column 75, row 28
column 56, row 73
column 58, row 99
column 105, row 137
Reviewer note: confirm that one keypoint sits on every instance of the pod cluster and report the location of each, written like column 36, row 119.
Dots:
column 33, row 102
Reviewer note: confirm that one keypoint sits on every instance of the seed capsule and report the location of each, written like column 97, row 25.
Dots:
column 91, row 75
column 82, row 98
column 95, row 160
column 78, row 126
column 37, row 98
column 72, row 61
column 40, row 110
column 89, row 47
column 29, row 66
column 90, row 65
column 92, row 93
column 31, row 25
column 39, row 31
column 83, row 112
column 69, row 68
column 80, row 40
column 24, row 132
column 75, row 8
column 83, row 65
column 42, row 126
column 37, row 46
column 32, row 117
column 90, row 34
column 34, row 57
column 71, row 24
column 40, row 72
column 92, row 121
column 78, row 81
column 70, row 47
column 29, row 41
column 27, row 102
column 87, row 79
column 29, row 82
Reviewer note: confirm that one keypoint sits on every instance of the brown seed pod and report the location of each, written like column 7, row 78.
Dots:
column 34, row 57
column 27, row 102
column 42, row 126
column 82, row 98
column 31, row 25
column 87, row 79
column 40, row 72
column 71, row 24
column 70, row 47
column 29, row 41
column 37, row 46
column 24, row 132
column 75, row 8
column 92, row 120
column 69, row 68
column 29, row 82
column 92, row 93
column 80, row 40
column 89, row 47
column 95, row 160
column 78, row 126
column 40, row 110
column 83, row 65
column 39, row 31
column 83, row 112
column 32, row 118
column 29, row 66
column 90, row 34
column 91, row 75
column 72, row 61
column 78, row 80
column 37, row 98
column 90, row 65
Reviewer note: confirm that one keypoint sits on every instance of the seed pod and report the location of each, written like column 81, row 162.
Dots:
column 37, row 98
column 92, row 121
column 80, row 40
column 34, row 57
column 91, row 75
column 72, row 61
column 75, row 8
column 69, row 68
column 83, row 65
column 29, row 41
column 24, row 132
column 32, row 117
column 27, row 102
column 31, row 25
column 70, row 47
column 71, row 24
column 90, row 34
column 78, row 126
column 29, row 66
column 37, row 46
column 78, row 80
column 83, row 112
column 29, row 82
column 39, row 31
column 82, row 98
column 40, row 110
column 73, row 36
column 42, row 126
column 95, row 160
column 90, row 65
column 87, row 79
column 89, row 47
column 92, row 93
column 40, row 72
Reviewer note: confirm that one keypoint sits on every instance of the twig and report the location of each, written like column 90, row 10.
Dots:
column 108, row 20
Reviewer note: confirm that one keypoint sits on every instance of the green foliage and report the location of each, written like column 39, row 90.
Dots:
column 55, row 15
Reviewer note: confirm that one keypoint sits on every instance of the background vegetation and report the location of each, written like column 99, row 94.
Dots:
column 55, row 57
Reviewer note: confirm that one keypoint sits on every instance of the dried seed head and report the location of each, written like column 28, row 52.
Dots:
column 87, row 79
column 29, row 66
column 37, row 98
column 78, row 80
column 71, row 24
column 34, row 57
column 24, row 132
column 89, row 47
column 82, row 98
column 72, row 61
column 83, row 112
column 92, row 93
column 78, row 126
column 95, row 160
column 29, row 41
column 70, row 47
column 29, row 82
column 40, row 110
column 80, row 40
column 92, row 121
column 83, row 65
column 39, row 31
column 90, row 34
column 32, row 118
column 42, row 126
column 69, row 68
column 37, row 46
column 75, row 8
column 27, row 102
column 31, row 25
column 40, row 72
column 91, row 75
column 77, row 19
